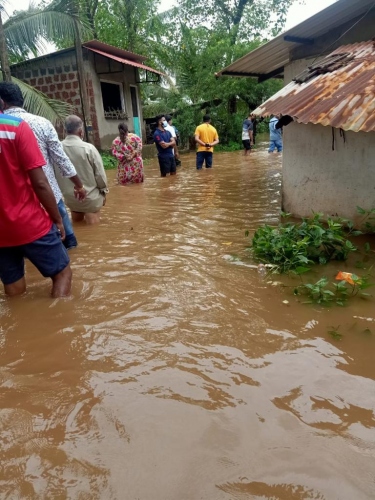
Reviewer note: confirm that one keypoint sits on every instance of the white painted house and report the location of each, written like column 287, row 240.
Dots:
column 328, row 66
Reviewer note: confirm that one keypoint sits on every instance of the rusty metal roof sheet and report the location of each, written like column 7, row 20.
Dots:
column 275, row 54
column 125, row 61
column 343, row 98
column 115, row 51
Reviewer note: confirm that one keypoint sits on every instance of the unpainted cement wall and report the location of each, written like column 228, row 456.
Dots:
column 317, row 178
column 112, row 71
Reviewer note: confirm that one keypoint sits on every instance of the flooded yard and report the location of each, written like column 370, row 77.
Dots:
column 175, row 372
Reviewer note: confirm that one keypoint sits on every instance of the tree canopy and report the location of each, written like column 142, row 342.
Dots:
column 189, row 43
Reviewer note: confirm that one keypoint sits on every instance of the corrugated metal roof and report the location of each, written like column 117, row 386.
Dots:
column 125, row 61
column 344, row 98
column 275, row 54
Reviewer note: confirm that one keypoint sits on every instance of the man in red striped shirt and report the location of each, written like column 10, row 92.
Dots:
column 28, row 229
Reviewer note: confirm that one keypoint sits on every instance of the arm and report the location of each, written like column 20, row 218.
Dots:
column 251, row 134
column 60, row 159
column 196, row 137
column 116, row 152
column 169, row 144
column 32, row 161
column 65, row 166
column 46, row 197
column 98, row 168
column 216, row 141
column 163, row 144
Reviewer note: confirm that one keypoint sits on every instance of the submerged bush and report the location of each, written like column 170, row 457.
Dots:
column 296, row 246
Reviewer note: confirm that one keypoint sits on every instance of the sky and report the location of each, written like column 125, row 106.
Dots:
column 297, row 13
column 300, row 11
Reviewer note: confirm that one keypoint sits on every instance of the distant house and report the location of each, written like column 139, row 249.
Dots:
column 112, row 79
column 328, row 66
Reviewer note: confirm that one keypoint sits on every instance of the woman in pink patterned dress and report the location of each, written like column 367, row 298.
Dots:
column 127, row 148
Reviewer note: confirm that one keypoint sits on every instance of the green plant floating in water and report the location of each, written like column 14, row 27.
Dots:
column 327, row 293
column 296, row 247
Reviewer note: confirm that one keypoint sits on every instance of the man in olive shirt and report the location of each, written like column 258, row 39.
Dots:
column 206, row 137
column 88, row 162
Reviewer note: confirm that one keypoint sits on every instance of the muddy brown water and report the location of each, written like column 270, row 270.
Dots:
column 175, row 372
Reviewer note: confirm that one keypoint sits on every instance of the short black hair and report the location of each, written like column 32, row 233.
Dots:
column 168, row 118
column 158, row 117
column 11, row 94
column 206, row 118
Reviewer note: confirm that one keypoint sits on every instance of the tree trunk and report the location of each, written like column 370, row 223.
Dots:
column 82, row 84
column 4, row 61
column 232, row 105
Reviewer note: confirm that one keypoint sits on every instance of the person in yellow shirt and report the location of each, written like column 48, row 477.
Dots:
column 206, row 138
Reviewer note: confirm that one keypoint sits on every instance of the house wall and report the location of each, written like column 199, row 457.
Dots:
column 317, row 178
column 112, row 71
column 303, row 56
column 294, row 68
column 343, row 35
column 57, row 77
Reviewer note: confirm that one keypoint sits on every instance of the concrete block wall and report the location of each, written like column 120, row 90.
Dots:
column 57, row 77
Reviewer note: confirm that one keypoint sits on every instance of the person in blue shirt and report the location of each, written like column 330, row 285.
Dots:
column 276, row 138
column 164, row 144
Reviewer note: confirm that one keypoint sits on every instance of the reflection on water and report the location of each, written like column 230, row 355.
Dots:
column 174, row 372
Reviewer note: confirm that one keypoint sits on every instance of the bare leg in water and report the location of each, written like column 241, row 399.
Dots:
column 61, row 285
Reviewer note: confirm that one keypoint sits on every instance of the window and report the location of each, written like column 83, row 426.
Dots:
column 113, row 100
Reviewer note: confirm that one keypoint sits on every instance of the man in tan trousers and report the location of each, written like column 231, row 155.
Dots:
column 88, row 163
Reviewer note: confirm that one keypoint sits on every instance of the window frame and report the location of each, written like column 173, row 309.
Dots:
column 122, row 95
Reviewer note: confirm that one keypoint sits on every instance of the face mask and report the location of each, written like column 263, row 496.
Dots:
column 165, row 123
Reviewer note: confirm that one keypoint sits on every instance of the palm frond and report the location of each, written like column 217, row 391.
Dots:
column 31, row 28
column 37, row 103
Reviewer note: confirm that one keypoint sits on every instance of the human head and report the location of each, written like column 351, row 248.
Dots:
column 123, row 131
column 74, row 125
column 206, row 119
column 160, row 119
column 168, row 119
column 10, row 95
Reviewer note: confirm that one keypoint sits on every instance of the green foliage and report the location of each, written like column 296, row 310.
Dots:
column 109, row 161
column 295, row 247
column 231, row 146
column 327, row 293
column 26, row 32
column 368, row 222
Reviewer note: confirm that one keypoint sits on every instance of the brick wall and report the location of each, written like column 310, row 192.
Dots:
column 60, row 82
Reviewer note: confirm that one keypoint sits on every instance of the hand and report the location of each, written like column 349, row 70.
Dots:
column 207, row 145
column 61, row 230
column 104, row 199
column 80, row 193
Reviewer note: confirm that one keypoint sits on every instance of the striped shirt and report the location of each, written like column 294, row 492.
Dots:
column 50, row 147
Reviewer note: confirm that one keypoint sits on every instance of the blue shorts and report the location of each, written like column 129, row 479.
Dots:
column 48, row 255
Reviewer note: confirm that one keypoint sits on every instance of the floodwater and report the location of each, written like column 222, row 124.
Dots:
column 175, row 372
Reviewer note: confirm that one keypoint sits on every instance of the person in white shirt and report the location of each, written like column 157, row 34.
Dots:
column 172, row 130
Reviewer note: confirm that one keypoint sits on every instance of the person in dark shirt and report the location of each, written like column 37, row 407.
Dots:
column 164, row 144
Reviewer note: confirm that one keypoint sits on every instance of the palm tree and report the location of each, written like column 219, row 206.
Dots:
column 27, row 31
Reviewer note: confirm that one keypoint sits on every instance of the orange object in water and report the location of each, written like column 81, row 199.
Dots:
column 342, row 276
